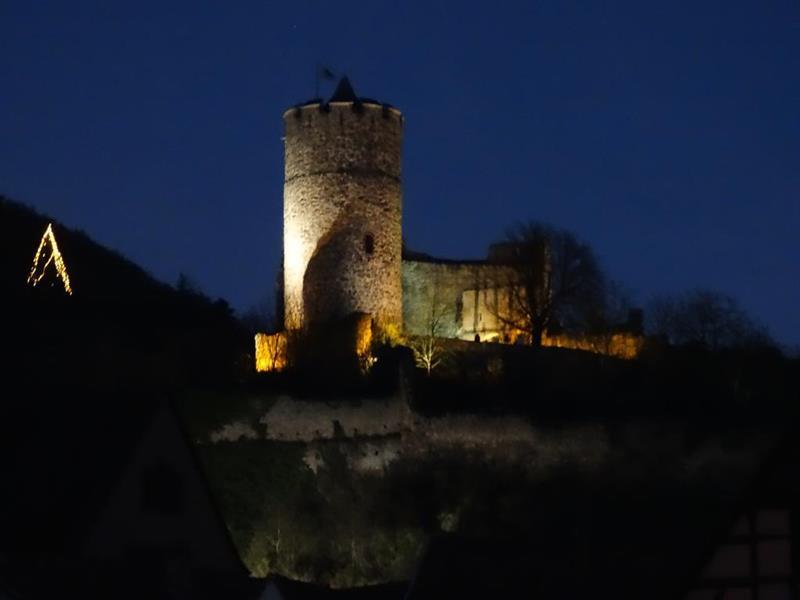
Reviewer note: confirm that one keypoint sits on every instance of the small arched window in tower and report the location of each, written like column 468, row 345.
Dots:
column 369, row 244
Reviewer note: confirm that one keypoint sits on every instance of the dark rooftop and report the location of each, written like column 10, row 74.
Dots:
column 298, row 590
column 344, row 92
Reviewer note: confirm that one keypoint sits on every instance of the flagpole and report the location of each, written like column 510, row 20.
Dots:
column 323, row 72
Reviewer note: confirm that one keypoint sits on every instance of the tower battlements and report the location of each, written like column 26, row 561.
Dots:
column 335, row 137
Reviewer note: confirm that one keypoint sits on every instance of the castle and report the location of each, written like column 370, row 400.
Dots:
column 342, row 236
column 343, row 250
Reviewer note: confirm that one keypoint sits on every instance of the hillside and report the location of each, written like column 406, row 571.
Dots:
column 557, row 458
column 96, row 272
column 121, row 325
column 585, row 497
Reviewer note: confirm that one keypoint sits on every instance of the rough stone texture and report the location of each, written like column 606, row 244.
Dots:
column 233, row 432
column 488, row 314
column 442, row 286
column 342, row 213
column 298, row 420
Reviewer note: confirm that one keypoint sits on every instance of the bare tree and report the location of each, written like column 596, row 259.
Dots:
column 617, row 305
column 553, row 281
column 705, row 317
column 428, row 348
column 615, row 319
column 261, row 317
column 662, row 314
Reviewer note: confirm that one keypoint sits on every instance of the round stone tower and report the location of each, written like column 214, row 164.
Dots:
column 342, row 205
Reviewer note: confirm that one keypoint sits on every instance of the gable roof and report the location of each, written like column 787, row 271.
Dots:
column 64, row 454
column 774, row 486
column 298, row 590
column 624, row 543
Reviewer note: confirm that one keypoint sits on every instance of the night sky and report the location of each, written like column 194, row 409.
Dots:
column 666, row 134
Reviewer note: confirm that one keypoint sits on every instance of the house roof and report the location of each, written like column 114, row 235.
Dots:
column 774, row 485
column 64, row 453
column 616, row 549
column 298, row 590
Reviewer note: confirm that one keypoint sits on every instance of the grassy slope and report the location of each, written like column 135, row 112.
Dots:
column 647, row 507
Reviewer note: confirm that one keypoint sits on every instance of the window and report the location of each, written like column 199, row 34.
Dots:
column 369, row 244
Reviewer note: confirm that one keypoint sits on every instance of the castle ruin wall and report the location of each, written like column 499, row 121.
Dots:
column 431, row 286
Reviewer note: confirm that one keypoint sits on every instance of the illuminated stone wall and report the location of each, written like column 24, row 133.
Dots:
column 342, row 212
column 467, row 297
column 441, row 286
column 270, row 352
column 384, row 429
column 619, row 345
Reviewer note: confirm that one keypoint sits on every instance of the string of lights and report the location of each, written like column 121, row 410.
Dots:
column 49, row 239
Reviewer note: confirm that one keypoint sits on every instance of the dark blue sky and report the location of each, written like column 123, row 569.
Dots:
column 667, row 134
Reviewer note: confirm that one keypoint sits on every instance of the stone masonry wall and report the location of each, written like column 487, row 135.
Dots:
column 440, row 286
column 342, row 212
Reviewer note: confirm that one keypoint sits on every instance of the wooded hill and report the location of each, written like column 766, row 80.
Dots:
column 120, row 324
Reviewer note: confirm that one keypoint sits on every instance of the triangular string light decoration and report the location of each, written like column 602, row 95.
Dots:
column 40, row 265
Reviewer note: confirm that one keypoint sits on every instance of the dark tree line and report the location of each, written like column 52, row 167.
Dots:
column 555, row 283
column 706, row 318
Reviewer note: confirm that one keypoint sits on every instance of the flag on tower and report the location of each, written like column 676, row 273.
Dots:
column 326, row 73
column 323, row 72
